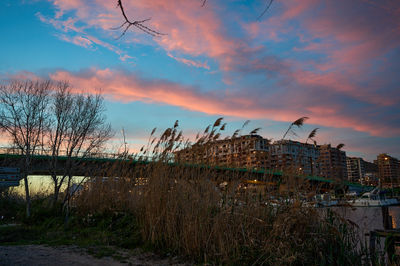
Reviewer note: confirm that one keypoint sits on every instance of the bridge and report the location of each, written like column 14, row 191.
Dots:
column 97, row 162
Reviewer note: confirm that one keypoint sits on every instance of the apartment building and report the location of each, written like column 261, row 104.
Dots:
column 361, row 171
column 249, row 151
column 256, row 152
column 332, row 162
column 355, row 169
column 289, row 154
column 388, row 170
column 371, row 177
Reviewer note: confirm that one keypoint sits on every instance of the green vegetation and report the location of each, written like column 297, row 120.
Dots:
column 101, row 235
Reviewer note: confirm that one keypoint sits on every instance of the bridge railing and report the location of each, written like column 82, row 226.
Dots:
column 48, row 152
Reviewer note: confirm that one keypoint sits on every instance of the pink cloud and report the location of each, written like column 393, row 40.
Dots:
column 64, row 25
column 350, row 33
column 362, row 33
column 352, row 37
column 348, row 38
column 340, row 83
column 127, row 87
column 21, row 75
column 190, row 29
column 77, row 40
column 189, row 62
column 82, row 39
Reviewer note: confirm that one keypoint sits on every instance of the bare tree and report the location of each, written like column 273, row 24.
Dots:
column 23, row 117
column 78, row 129
column 86, row 131
column 60, row 109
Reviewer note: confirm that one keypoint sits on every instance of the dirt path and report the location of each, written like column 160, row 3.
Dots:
column 70, row 255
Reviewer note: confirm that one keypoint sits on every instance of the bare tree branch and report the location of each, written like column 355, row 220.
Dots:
column 137, row 23
column 268, row 5
column 265, row 9
column 77, row 128
column 24, row 117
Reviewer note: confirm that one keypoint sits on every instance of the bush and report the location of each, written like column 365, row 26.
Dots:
column 12, row 207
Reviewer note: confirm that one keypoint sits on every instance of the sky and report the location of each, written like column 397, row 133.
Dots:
column 336, row 62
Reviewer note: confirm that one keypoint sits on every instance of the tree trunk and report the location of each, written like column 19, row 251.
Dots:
column 27, row 196
column 66, row 201
column 56, row 191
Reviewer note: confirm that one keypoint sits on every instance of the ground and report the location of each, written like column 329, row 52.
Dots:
column 72, row 255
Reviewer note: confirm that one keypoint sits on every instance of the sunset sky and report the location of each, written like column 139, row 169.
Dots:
column 336, row 61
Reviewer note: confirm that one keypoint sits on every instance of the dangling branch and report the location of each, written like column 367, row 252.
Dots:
column 137, row 23
column 269, row 3
column 265, row 9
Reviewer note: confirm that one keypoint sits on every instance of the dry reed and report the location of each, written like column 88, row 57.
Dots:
column 212, row 216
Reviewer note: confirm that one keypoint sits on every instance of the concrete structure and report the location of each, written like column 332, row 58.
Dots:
column 294, row 156
column 249, row 151
column 332, row 162
column 388, row 170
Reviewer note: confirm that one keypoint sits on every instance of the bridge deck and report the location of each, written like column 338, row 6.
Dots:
column 114, row 158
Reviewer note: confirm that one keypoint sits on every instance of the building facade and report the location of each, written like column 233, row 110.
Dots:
column 388, row 170
column 249, row 151
column 333, row 164
column 360, row 171
column 256, row 152
column 295, row 156
column 371, row 177
column 355, row 169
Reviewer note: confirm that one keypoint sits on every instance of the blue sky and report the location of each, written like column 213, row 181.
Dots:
column 336, row 62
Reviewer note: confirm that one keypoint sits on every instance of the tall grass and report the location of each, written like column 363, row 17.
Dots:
column 209, row 215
